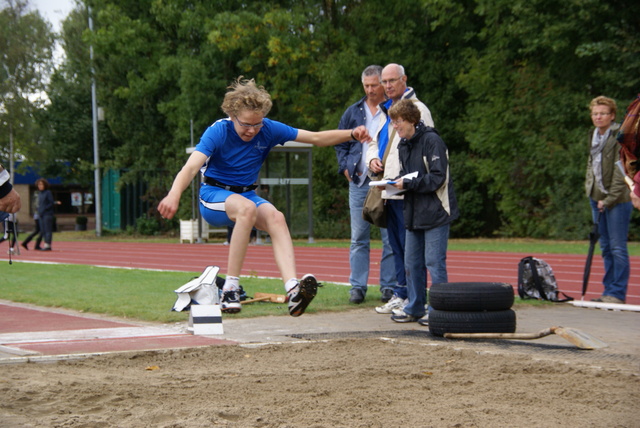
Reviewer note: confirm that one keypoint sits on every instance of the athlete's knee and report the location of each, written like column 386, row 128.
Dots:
column 246, row 211
column 275, row 220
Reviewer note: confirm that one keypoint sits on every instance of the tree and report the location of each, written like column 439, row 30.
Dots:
column 508, row 83
column 529, row 84
column 26, row 47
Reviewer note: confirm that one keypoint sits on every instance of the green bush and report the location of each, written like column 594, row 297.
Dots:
column 147, row 226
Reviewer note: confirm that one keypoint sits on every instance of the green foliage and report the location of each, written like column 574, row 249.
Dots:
column 330, row 197
column 147, row 226
column 508, row 84
column 26, row 47
column 529, row 86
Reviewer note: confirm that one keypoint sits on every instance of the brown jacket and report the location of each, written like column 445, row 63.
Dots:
column 612, row 178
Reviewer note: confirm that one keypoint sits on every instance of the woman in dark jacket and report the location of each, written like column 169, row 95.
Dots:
column 45, row 212
column 430, row 206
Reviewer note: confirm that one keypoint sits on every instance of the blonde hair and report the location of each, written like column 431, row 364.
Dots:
column 244, row 95
column 604, row 101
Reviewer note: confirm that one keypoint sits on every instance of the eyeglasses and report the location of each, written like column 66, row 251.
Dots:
column 390, row 81
column 599, row 114
column 248, row 125
column 397, row 122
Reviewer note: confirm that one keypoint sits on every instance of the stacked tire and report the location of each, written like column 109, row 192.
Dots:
column 471, row 307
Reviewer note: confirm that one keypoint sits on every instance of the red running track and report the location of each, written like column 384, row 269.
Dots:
column 328, row 264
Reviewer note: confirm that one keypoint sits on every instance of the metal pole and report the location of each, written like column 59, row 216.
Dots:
column 11, row 153
column 310, row 196
column 193, row 182
column 96, row 152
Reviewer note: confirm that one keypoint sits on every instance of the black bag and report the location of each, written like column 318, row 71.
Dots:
column 536, row 281
column 374, row 210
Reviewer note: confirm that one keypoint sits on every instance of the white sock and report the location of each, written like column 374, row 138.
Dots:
column 231, row 283
column 290, row 284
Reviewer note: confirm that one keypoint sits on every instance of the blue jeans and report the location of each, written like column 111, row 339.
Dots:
column 425, row 250
column 613, row 229
column 360, row 244
column 397, row 237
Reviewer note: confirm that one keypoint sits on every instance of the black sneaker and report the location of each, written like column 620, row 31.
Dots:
column 387, row 294
column 357, row 296
column 302, row 294
column 231, row 302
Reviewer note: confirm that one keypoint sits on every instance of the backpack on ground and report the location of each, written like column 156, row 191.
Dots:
column 536, row 281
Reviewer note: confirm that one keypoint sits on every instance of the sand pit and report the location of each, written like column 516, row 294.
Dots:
column 339, row 383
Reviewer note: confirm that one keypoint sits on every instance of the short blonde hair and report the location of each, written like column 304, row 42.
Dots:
column 604, row 101
column 245, row 95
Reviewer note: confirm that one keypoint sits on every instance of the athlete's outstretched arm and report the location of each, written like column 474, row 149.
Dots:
column 169, row 205
column 333, row 137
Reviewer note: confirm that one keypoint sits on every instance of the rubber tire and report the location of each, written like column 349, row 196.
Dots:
column 441, row 322
column 471, row 296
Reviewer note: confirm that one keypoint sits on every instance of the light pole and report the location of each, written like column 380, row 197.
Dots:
column 96, row 151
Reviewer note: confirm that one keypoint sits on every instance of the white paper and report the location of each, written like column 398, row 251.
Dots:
column 410, row 176
column 389, row 187
column 381, row 182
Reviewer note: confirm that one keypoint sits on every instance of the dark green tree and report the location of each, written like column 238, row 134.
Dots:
column 529, row 86
column 26, row 48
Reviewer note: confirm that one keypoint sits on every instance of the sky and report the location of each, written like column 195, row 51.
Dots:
column 55, row 11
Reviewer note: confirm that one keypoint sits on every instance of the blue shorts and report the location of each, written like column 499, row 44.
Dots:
column 212, row 206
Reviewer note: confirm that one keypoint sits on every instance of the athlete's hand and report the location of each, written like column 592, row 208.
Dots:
column 169, row 206
column 362, row 134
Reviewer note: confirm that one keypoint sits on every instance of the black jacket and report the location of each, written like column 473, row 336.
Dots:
column 430, row 200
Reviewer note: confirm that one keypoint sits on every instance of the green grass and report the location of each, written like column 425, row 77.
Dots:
column 143, row 295
column 148, row 295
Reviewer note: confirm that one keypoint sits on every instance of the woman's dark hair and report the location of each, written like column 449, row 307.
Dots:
column 44, row 182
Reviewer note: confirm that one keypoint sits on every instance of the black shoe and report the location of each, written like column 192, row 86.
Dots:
column 25, row 246
column 231, row 302
column 357, row 296
column 46, row 249
column 302, row 294
column 387, row 294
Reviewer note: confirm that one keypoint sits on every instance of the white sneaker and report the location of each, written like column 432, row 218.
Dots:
column 395, row 303
column 398, row 311
column 424, row 321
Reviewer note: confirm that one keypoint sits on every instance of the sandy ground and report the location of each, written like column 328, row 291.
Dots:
column 339, row 383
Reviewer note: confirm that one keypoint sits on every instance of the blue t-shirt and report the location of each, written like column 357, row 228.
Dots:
column 235, row 162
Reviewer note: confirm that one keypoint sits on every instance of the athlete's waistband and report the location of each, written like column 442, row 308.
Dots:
column 235, row 189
